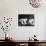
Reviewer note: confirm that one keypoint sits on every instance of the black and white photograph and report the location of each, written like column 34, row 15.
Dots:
column 26, row 19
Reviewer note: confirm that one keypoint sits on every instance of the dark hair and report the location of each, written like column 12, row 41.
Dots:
column 34, row 35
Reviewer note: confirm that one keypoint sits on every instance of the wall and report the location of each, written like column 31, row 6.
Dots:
column 11, row 8
column 45, row 28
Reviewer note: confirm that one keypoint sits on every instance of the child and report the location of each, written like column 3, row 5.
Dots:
column 35, row 38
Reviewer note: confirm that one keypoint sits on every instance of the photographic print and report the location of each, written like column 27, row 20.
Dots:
column 26, row 19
